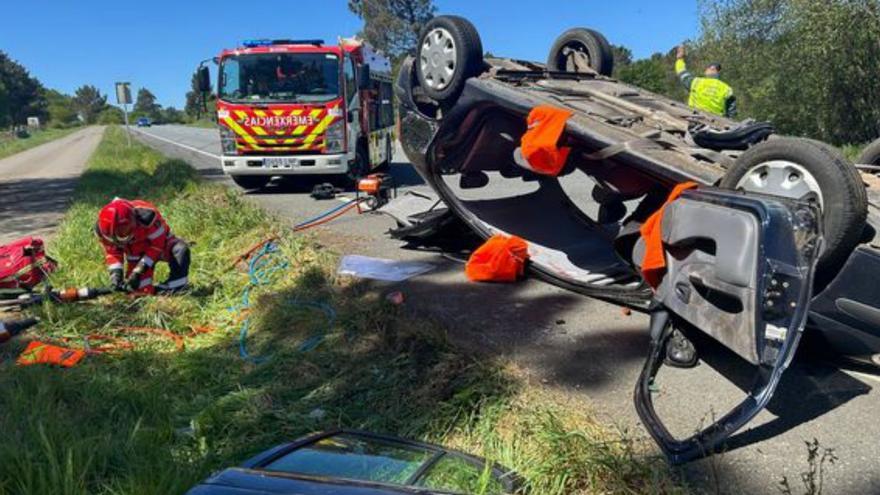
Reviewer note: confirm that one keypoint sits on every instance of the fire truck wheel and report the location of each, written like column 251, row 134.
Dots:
column 361, row 165
column 389, row 152
column 251, row 181
column 449, row 52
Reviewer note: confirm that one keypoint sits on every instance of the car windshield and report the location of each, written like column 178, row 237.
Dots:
column 279, row 77
column 354, row 457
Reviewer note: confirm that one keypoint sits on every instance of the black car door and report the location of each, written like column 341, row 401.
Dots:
column 739, row 270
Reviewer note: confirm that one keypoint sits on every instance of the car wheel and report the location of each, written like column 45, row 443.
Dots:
column 811, row 171
column 250, row 182
column 578, row 49
column 449, row 52
column 870, row 155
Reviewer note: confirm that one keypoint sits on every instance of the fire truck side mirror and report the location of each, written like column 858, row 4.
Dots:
column 364, row 77
column 204, row 79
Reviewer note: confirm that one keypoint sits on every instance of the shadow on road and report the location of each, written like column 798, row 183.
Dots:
column 33, row 205
column 404, row 176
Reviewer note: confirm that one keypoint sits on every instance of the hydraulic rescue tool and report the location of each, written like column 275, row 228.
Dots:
column 67, row 295
column 11, row 328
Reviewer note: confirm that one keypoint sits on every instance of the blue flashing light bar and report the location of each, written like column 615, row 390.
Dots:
column 267, row 42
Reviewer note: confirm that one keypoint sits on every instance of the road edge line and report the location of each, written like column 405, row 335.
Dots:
column 184, row 146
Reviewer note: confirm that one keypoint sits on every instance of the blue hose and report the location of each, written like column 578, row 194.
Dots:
column 262, row 267
column 323, row 215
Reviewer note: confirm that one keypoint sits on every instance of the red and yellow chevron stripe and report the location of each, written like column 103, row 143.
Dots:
column 279, row 127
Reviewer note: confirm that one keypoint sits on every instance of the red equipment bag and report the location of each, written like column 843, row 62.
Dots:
column 499, row 259
column 24, row 264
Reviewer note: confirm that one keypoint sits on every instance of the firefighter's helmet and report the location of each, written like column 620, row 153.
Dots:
column 116, row 222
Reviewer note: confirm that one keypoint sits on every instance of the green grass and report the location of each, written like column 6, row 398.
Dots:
column 852, row 151
column 203, row 123
column 156, row 421
column 12, row 145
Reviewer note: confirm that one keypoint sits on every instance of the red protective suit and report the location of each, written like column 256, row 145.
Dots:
column 151, row 241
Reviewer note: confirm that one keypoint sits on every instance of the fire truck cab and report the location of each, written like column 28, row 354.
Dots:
column 300, row 107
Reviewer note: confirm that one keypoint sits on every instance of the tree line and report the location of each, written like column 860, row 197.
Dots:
column 23, row 95
column 808, row 66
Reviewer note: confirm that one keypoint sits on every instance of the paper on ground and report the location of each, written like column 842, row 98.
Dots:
column 381, row 269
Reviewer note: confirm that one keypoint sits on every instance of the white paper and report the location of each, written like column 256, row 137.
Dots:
column 381, row 269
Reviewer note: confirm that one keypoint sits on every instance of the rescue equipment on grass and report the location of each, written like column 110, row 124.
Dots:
column 654, row 261
column 264, row 264
column 540, row 142
column 11, row 328
column 66, row 295
column 42, row 353
column 24, row 263
column 499, row 259
column 135, row 237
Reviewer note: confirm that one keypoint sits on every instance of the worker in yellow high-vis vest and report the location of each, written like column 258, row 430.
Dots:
column 708, row 93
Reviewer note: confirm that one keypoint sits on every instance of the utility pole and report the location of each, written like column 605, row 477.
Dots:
column 123, row 97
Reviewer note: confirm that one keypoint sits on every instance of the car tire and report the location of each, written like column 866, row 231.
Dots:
column 251, row 182
column 806, row 164
column 588, row 42
column 449, row 53
column 870, row 155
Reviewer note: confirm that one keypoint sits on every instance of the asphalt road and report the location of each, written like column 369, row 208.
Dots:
column 35, row 185
column 594, row 350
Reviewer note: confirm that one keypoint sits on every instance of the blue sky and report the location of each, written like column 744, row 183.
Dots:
column 157, row 44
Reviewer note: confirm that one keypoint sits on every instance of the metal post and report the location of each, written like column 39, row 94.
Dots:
column 127, row 129
column 123, row 97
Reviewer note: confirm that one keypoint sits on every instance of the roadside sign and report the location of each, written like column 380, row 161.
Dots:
column 123, row 93
column 33, row 122
column 123, row 97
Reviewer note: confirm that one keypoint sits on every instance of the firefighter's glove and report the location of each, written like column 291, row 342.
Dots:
column 134, row 280
column 117, row 279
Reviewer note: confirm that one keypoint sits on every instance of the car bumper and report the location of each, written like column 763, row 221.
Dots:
column 289, row 165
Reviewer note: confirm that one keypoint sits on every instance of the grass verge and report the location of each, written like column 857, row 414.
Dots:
column 203, row 123
column 17, row 145
column 154, row 420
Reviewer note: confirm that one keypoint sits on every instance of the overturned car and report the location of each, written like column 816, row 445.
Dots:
column 776, row 237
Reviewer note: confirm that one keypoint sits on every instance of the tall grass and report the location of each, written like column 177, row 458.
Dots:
column 156, row 421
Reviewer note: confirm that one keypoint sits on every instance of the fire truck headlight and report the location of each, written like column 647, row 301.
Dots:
column 334, row 137
column 227, row 141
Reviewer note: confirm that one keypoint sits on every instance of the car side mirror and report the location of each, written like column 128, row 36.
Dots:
column 204, row 79
column 363, row 80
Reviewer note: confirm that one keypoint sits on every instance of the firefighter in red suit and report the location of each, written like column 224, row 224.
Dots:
column 135, row 237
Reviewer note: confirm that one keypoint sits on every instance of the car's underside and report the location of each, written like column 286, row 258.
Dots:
column 740, row 259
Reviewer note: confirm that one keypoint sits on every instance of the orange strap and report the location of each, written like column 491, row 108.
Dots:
column 545, row 127
column 499, row 259
column 41, row 353
column 654, row 262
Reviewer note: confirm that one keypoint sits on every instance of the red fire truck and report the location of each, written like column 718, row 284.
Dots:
column 295, row 107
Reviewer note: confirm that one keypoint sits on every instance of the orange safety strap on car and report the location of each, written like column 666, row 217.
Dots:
column 41, row 353
column 654, row 261
column 539, row 143
column 499, row 259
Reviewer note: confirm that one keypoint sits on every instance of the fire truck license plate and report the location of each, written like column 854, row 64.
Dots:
column 279, row 162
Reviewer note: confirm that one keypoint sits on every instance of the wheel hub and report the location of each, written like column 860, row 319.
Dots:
column 437, row 58
column 782, row 178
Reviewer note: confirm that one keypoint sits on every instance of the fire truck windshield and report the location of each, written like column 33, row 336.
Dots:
column 279, row 77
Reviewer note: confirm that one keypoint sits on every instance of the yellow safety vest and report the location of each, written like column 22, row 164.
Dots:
column 707, row 94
